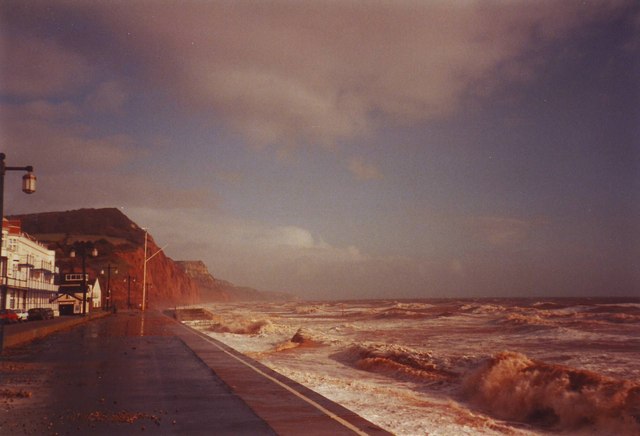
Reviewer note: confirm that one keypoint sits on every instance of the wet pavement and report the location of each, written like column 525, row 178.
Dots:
column 19, row 333
column 130, row 372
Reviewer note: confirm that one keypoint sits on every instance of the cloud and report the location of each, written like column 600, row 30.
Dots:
column 36, row 68
column 34, row 132
column 78, row 166
column 501, row 231
column 101, row 189
column 363, row 170
column 108, row 97
column 257, row 254
column 294, row 259
column 232, row 178
column 321, row 71
column 287, row 72
column 456, row 267
column 38, row 110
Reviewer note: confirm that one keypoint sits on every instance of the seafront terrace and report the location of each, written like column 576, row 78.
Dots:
column 132, row 371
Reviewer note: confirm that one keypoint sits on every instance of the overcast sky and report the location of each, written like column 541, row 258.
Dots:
column 342, row 149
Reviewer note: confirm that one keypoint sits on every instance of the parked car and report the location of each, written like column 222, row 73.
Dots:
column 40, row 313
column 8, row 316
column 23, row 315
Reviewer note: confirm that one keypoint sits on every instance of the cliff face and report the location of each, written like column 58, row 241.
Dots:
column 120, row 244
column 212, row 289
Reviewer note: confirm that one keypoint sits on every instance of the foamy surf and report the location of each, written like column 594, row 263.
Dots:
column 442, row 366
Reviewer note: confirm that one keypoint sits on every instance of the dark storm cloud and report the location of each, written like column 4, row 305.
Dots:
column 295, row 71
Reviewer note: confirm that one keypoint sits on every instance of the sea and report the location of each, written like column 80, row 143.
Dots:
column 455, row 366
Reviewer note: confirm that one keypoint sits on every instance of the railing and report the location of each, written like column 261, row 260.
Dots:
column 28, row 284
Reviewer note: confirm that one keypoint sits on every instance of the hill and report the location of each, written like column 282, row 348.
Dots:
column 212, row 289
column 120, row 244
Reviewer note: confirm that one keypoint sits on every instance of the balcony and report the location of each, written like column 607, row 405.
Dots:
column 28, row 284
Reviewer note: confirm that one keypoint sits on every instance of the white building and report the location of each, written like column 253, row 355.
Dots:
column 27, row 270
column 70, row 297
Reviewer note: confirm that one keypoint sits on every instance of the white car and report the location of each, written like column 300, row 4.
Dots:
column 22, row 314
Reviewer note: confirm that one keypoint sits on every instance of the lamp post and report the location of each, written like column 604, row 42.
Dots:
column 128, row 279
column 84, row 249
column 109, row 268
column 144, row 269
column 28, row 187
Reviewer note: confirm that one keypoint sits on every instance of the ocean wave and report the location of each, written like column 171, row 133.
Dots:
column 483, row 308
column 614, row 313
column 621, row 318
column 616, row 308
column 303, row 338
column 533, row 320
column 398, row 313
column 306, row 310
column 415, row 311
column 511, row 386
column 242, row 327
column 520, row 322
column 600, row 320
column 397, row 362
column 412, row 306
column 548, row 305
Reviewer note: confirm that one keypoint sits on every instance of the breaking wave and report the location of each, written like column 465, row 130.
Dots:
column 512, row 386
column 521, row 322
column 548, row 305
column 399, row 313
column 242, row 327
column 306, row 310
column 302, row 338
column 431, row 351
column 622, row 318
column 396, row 361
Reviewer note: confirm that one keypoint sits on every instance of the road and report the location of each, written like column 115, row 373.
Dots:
column 134, row 372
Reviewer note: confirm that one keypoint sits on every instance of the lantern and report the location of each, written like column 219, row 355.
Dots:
column 29, row 183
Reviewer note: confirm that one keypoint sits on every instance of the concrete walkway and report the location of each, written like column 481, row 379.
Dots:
column 130, row 372
column 20, row 333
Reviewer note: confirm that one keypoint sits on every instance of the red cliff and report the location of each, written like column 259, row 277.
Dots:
column 120, row 244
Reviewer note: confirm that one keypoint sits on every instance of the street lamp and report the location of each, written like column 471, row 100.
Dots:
column 84, row 249
column 144, row 269
column 109, row 267
column 28, row 187
column 128, row 280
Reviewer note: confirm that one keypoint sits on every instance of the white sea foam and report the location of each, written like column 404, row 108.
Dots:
column 440, row 367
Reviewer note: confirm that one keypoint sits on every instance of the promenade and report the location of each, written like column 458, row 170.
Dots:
column 134, row 372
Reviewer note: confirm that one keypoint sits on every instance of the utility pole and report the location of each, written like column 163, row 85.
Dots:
column 144, row 272
column 109, row 268
column 129, row 290
column 82, row 248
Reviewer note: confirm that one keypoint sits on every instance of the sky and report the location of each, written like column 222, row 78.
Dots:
column 342, row 149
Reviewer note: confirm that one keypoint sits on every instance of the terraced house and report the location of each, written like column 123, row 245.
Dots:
column 27, row 270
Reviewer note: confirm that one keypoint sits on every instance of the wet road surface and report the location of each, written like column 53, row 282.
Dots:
column 118, row 375
column 130, row 372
